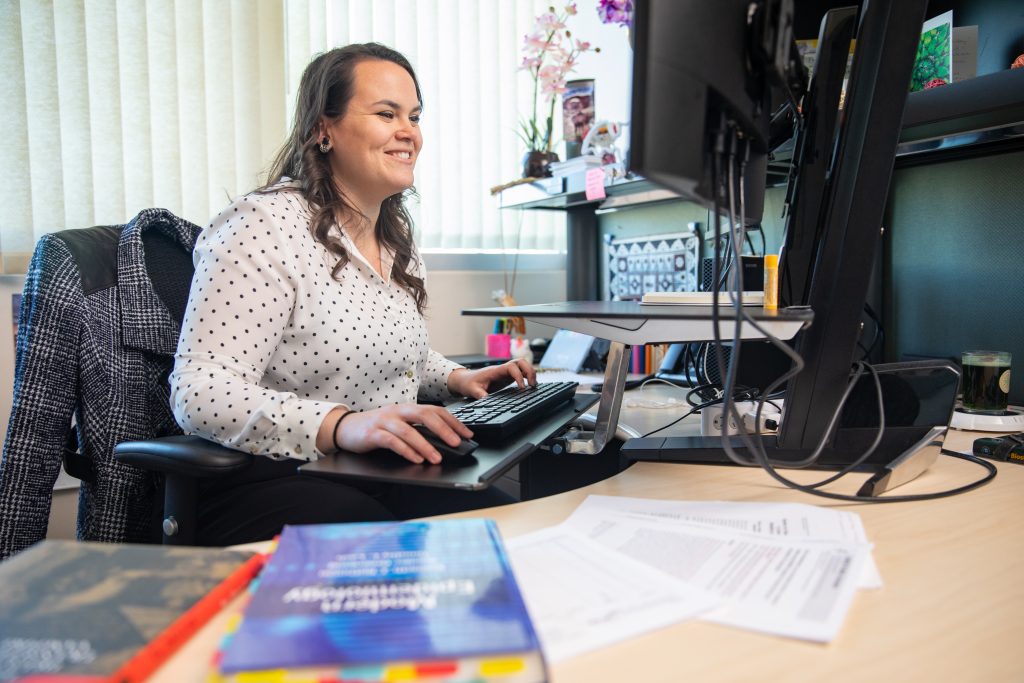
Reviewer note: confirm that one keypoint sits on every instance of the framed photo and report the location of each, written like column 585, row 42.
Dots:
column 577, row 113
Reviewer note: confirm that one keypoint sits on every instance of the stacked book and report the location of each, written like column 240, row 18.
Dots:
column 109, row 612
column 574, row 166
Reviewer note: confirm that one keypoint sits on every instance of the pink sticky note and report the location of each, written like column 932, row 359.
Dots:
column 595, row 183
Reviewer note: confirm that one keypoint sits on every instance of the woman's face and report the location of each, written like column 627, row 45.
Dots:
column 376, row 142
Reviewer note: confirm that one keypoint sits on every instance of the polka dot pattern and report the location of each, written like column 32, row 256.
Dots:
column 271, row 342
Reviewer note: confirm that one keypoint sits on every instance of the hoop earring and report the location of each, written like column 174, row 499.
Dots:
column 325, row 145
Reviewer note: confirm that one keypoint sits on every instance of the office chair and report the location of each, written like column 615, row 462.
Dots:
column 96, row 338
column 182, row 460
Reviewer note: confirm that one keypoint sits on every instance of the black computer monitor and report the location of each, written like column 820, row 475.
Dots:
column 702, row 82
column 690, row 71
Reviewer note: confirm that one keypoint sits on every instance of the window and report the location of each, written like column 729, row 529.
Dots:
column 111, row 107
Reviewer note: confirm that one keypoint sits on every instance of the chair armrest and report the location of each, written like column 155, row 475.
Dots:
column 190, row 456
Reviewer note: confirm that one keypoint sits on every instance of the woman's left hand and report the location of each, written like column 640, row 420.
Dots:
column 479, row 383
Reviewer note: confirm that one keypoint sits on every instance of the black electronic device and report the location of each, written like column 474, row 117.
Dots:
column 916, row 397
column 752, row 273
column 1009, row 448
column 498, row 416
column 761, row 363
column 628, row 385
column 474, row 361
column 448, row 453
column 703, row 76
column 690, row 68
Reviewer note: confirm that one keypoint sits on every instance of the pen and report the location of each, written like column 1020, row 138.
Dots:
column 156, row 652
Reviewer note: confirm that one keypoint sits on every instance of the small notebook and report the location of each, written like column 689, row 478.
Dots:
column 700, row 298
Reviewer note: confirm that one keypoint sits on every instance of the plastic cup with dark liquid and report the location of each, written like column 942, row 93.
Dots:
column 986, row 381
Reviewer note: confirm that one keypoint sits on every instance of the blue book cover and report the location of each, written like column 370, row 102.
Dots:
column 339, row 595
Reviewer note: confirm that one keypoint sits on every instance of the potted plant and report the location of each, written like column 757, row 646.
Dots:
column 549, row 55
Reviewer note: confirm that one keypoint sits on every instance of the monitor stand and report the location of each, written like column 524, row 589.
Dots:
column 594, row 440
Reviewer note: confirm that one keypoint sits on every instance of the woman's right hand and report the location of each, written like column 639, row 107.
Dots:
column 391, row 427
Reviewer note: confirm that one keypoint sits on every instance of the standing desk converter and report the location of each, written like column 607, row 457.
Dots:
column 630, row 323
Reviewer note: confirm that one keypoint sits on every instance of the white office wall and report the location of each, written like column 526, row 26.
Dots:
column 453, row 290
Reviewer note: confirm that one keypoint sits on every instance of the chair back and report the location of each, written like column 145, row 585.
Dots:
column 102, row 308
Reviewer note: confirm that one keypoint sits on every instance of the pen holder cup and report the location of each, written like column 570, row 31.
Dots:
column 499, row 345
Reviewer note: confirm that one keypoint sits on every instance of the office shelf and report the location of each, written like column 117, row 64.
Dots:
column 552, row 193
column 560, row 194
column 976, row 116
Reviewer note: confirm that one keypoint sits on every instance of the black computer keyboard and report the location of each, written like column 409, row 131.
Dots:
column 500, row 415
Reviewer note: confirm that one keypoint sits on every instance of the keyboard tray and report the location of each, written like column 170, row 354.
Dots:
column 476, row 472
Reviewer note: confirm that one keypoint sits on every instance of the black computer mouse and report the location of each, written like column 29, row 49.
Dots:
column 448, row 453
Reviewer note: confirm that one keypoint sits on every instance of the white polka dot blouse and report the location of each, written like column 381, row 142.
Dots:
column 271, row 342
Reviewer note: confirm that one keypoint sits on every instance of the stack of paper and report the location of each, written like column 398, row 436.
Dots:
column 621, row 566
column 574, row 165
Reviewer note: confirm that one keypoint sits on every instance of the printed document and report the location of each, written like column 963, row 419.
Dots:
column 780, row 520
column 782, row 583
column 582, row 596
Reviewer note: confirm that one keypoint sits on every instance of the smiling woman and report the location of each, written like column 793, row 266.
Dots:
column 304, row 332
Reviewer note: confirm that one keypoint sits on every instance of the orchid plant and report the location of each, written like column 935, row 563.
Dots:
column 616, row 12
column 549, row 55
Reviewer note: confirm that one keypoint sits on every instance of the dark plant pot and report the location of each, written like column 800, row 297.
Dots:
column 535, row 164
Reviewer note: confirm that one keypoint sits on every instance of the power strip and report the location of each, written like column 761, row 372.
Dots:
column 711, row 422
column 711, row 419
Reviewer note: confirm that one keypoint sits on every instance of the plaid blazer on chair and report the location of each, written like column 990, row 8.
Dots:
column 95, row 342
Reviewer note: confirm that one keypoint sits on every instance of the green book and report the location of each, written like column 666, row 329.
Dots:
column 85, row 608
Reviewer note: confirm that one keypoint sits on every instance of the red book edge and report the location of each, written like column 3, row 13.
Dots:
column 157, row 651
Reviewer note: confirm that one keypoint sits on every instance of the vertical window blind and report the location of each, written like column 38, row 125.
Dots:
column 113, row 106
column 110, row 107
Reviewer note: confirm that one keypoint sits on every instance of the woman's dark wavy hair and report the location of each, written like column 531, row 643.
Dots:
column 325, row 91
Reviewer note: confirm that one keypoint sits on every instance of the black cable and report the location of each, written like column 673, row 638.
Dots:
column 696, row 408
column 991, row 474
column 672, row 423
column 879, row 331
column 689, row 360
column 756, row 445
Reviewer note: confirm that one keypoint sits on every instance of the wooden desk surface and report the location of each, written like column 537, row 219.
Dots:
column 951, row 608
